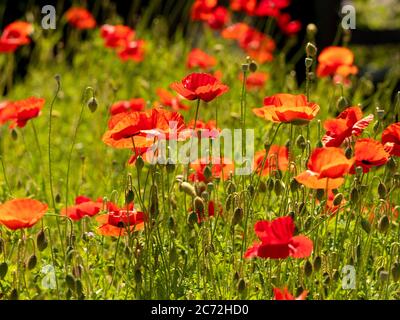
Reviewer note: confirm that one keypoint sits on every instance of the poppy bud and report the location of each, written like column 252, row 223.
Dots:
column 78, row 286
column 320, row 194
column 383, row 276
column 365, row 225
column 342, row 103
column 14, row 134
column 308, row 62
column 236, row 276
column 382, row 191
column 354, row 195
column 198, row 205
column 253, row 66
column 130, row 196
column 192, row 218
column 229, row 201
column 77, row 270
column 237, row 216
column 241, row 285
column 231, row 187
column 57, row 198
column 210, row 187
column 171, row 223
column 170, row 167
column 207, row 172
column 311, row 30
column 383, row 224
column 41, row 240
column 396, row 271
column 270, row 184
column 319, row 144
column 337, row 200
column 380, row 113
column 279, row 187
column 308, row 269
column 70, row 281
column 245, row 67
column 311, row 51
column 3, row 270
column 200, row 187
column 348, row 153
column 187, row 188
column 392, row 164
column 14, row 294
column 205, row 196
column 317, row 263
column 301, row 142
column 139, row 163
column 92, row 104
column 335, row 275
column 251, row 189
column 138, row 276
column 31, row 262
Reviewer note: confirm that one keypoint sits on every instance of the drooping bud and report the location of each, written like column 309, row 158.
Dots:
column 192, row 218
column 308, row 62
column 294, row 185
column 382, row 191
column 14, row 134
column 253, row 66
column 245, row 67
column 337, row 200
column 139, row 163
column 308, row 268
column 31, row 262
column 198, row 205
column 396, row 271
column 187, row 188
column 241, row 285
column 279, row 187
column 3, row 270
column 317, row 263
column 92, row 104
column 41, row 241
column 129, row 197
column 348, row 153
column 365, row 225
column 354, row 195
column 207, row 172
column 342, row 103
column 237, row 216
column 383, row 224
column 320, row 194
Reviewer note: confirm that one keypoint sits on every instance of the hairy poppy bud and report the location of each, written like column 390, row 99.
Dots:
column 382, row 191
column 301, row 142
column 311, row 50
column 365, row 225
column 237, row 216
column 317, row 263
column 14, row 134
column 70, row 281
column 383, row 224
column 231, row 187
column 270, row 184
column 320, row 194
column 308, row 269
column 262, row 187
column 337, row 200
column 348, row 153
column 396, row 271
column 342, row 103
column 241, row 285
column 205, row 196
column 138, row 276
column 92, row 104
column 192, row 218
column 279, row 187
column 198, row 205
column 130, row 196
column 31, row 262
column 57, row 198
column 253, row 66
column 207, row 172
column 392, row 164
column 14, row 294
column 251, row 189
column 41, row 240
column 187, row 188
column 228, row 202
column 171, row 223
column 3, row 270
column 139, row 163
column 354, row 195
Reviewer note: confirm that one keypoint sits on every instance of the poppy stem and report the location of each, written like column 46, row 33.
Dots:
column 5, row 175
column 191, row 141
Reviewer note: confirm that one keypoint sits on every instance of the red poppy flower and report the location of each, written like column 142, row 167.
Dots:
column 200, row 86
column 218, row 18
column 142, row 127
column 80, row 18
column 326, row 169
column 116, row 223
column 285, row 295
column 220, row 168
column 167, row 99
column 369, row 153
column 84, row 206
column 278, row 158
column 247, row 6
column 24, row 110
column 257, row 45
column 127, row 106
column 202, row 216
column 288, row 26
column 287, row 108
column 14, row 35
column 202, row 9
column 348, row 123
column 139, row 152
column 7, row 112
column 21, row 213
column 116, row 36
column 255, row 80
column 133, row 50
column 390, row 139
column 336, row 60
column 199, row 59
column 235, row 31
column 270, row 8
column 207, row 129
column 278, row 241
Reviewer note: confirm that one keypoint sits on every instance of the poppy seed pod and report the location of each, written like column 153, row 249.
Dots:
column 253, row 66
column 311, row 50
column 245, row 67
column 187, row 188
column 92, row 104
column 383, row 224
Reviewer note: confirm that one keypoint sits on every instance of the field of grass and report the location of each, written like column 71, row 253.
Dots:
column 60, row 155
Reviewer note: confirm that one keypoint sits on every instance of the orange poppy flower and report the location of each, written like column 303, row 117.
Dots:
column 255, row 80
column 21, row 213
column 287, row 108
column 24, row 110
column 326, row 169
column 167, row 99
column 369, row 153
column 200, row 86
column 126, row 106
column 235, row 31
column 199, row 59
column 390, row 139
column 278, row 157
column 142, row 127
column 247, row 6
column 116, row 36
column 336, row 60
column 285, row 295
column 80, row 18
column 133, row 50
column 347, row 123
column 14, row 35
column 202, row 9
column 115, row 224
column 83, row 207
column 7, row 112
column 220, row 168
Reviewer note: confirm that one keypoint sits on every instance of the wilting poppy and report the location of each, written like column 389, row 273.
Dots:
column 287, row 108
column 200, row 86
column 284, row 294
column 116, row 36
column 84, row 206
column 133, row 50
column 255, row 80
column 347, row 123
column 15, row 34
column 138, row 129
column 220, row 168
column 199, row 59
column 21, row 213
column 137, row 104
column 80, row 18
column 278, row 241
column 369, row 153
column 326, row 169
column 288, row 26
column 336, row 60
column 167, row 99
column 24, row 110
column 116, row 223
column 278, row 158
column 391, row 139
